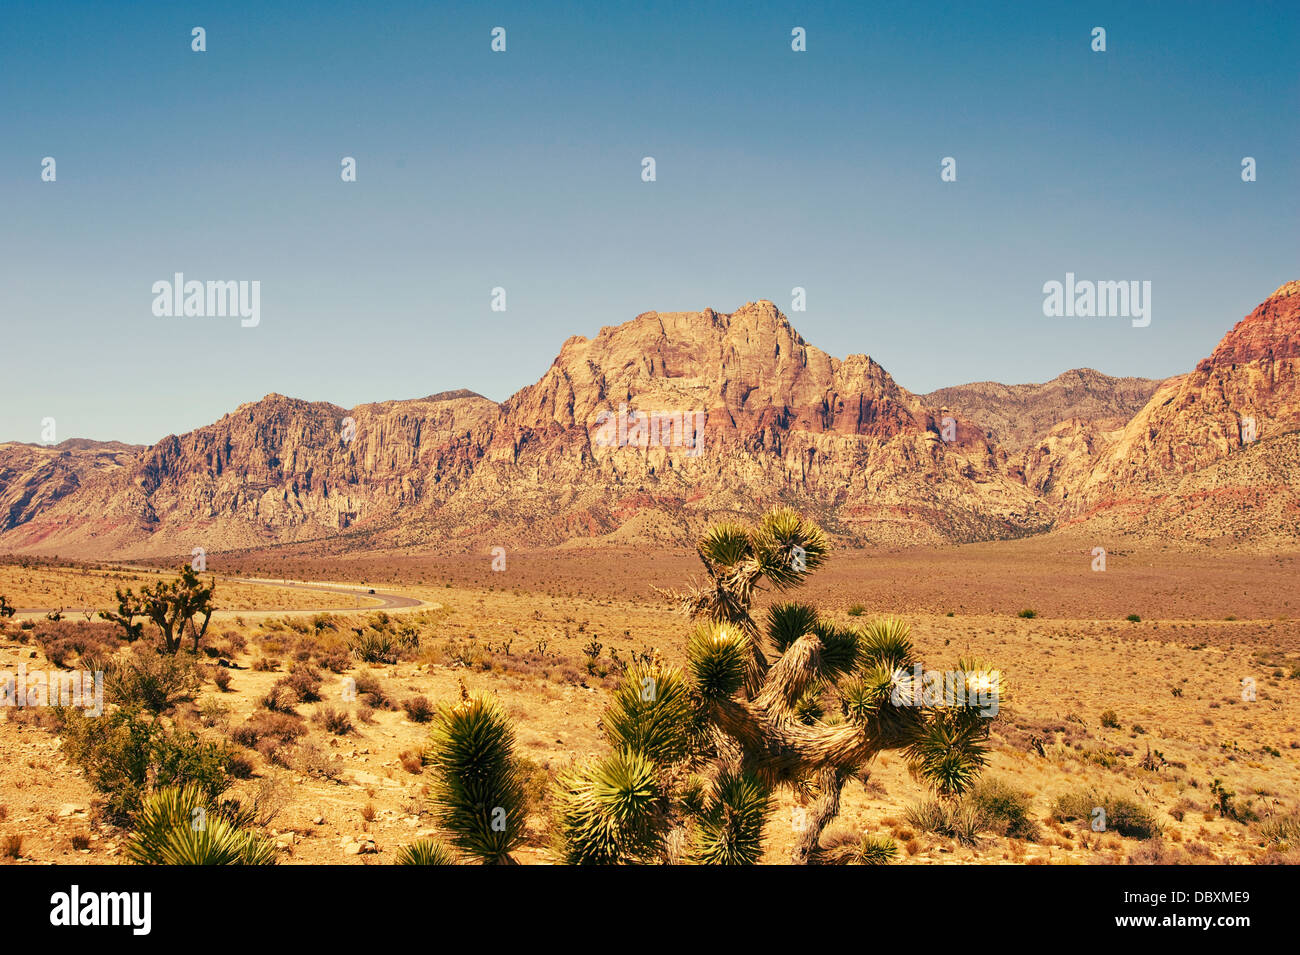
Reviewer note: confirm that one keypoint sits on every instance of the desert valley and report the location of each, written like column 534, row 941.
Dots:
column 1121, row 552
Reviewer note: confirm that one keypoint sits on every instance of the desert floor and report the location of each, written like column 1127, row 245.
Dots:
column 541, row 633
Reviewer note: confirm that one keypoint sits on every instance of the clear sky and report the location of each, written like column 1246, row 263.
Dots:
column 522, row 169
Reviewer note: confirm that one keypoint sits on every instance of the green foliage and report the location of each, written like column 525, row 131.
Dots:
column 651, row 713
column 157, row 682
column 1028, row 614
column 877, row 850
column 478, row 784
column 426, row 852
column 375, row 646
column 718, row 654
column 126, row 754
column 1004, row 809
column 730, row 829
column 613, row 811
column 179, row 826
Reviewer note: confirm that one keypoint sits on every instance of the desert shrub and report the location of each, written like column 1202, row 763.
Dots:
column 265, row 665
column 334, row 655
column 1004, row 809
column 957, row 820
column 213, row 713
column 157, row 682
column 63, row 640
column 221, row 677
column 857, row 610
column 412, row 761
column 311, row 760
column 280, row 698
column 1281, row 832
column 370, row 690
column 125, row 754
column 337, row 722
column 418, row 709
column 1028, row 614
column 1126, row 816
column 850, row 848
column 11, row 846
column 1110, row 719
column 280, row 727
column 305, row 680
column 1133, row 618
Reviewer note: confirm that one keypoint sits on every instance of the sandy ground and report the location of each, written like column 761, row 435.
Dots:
column 1173, row 680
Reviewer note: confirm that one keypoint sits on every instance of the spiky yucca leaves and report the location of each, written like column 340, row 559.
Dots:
column 718, row 653
column 177, row 826
column 426, row 852
column 853, row 849
column 651, row 713
column 613, row 811
column 730, row 829
column 478, row 784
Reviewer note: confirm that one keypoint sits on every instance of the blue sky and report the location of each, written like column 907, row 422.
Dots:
column 521, row 169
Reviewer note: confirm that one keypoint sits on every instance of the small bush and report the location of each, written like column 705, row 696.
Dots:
column 1028, row 614
column 371, row 691
column 281, row 727
column 375, row 646
column 1110, row 719
column 221, row 677
column 155, row 681
column 418, row 709
column 126, row 754
column 1004, row 809
column 1133, row 618
column 1123, row 815
column 337, row 722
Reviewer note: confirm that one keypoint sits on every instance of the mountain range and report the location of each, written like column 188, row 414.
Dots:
column 1208, row 456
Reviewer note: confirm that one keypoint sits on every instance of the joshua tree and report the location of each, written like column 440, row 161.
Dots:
column 171, row 606
column 697, row 755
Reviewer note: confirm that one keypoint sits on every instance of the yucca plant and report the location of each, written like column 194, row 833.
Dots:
column 798, row 702
column 179, row 826
column 478, row 784
column 426, row 852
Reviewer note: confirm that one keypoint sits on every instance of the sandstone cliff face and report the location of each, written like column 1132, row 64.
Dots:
column 34, row 478
column 779, row 421
column 1246, row 393
column 782, row 421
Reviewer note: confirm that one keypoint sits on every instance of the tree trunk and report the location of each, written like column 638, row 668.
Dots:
column 830, row 781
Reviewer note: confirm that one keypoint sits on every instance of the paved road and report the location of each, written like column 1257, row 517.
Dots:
column 373, row 600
